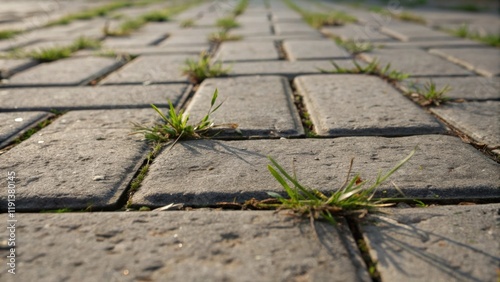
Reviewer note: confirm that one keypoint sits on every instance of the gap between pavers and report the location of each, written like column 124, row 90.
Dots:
column 468, row 88
column 65, row 72
column 262, row 106
column 85, row 159
column 349, row 105
column 91, row 97
column 206, row 172
column 13, row 124
column 183, row 246
column 444, row 243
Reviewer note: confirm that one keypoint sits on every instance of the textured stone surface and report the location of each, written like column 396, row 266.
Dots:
column 136, row 40
column 150, row 69
column 285, row 68
column 323, row 49
column 206, row 172
column 358, row 33
column 261, row 106
column 473, row 88
column 485, row 61
column 11, row 124
column 246, row 51
column 73, row 98
column 9, row 67
column 71, row 71
column 83, row 160
column 415, row 62
column 459, row 43
column 167, row 246
column 349, row 105
column 480, row 120
column 447, row 243
column 413, row 32
column 293, row 28
column 253, row 29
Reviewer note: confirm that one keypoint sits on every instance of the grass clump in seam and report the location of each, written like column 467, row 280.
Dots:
column 429, row 94
column 351, row 196
column 187, row 23
column 227, row 23
column 6, row 34
column 240, row 7
column 355, row 47
column 373, row 68
column 61, row 52
column 198, row 70
column 222, row 36
column 465, row 32
column 335, row 18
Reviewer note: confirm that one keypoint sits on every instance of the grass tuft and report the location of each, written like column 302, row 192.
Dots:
column 203, row 68
column 429, row 94
column 373, row 68
column 222, row 36
column 334, row 18
column 60, row 52
column 240, row 7
column 6, row 34
column 226, row 23
column 187, row 23
column 355, row 47
column 464, row 31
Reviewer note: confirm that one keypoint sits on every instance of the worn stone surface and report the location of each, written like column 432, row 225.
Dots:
column 70, row 71
column 285, row 68
column 150, row 69
column 447, row 243
column 293, row 28
column 413, row 32
column 261, row 106
column 459, row 43
column 13, row 123
column 415, row 62
column 100, row 97
column 253, row 29
column 479, row 120
column 349, row 105
column 167, row 246
column 9, row 67
column 135, row 40
column 206, row 172
column 246, row 51
column 357, row 33
column 470, row 88
column 484, row 61
column 185, row 40
column 323, row 49
column 85, row 159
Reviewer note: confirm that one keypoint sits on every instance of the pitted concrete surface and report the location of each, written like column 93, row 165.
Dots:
column 66, row 132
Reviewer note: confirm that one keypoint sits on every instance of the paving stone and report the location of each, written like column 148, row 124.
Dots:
column 71, row 71
column 274, row 37
column 471, row 88
column 9, row 67
column 249, row 18
column 100, row 97
column 461, row 43
column 286, row 68
column 293, row 28
column 413, row 32
column 13, row 123
column 134, row 40
column 286, row 16
column 206, row 172
column 484, row 61
column 252, row 30
column 350, row 105
column 167, row 246
column 246, row 51
column 323, row 49
column 175, row 39
column 261, row 106
column 478, row 120
column 446, row 243
column 84, row 159
column 357, row 33
column 151, row 69
column 148, row 50
column 415, row 62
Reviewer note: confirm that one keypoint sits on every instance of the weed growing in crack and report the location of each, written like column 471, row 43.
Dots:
column 464, row 31
column 373, row 68
column 226, row 23
column 335, row 18
column 355, row 47
column 187, row 23
column 222, row 36
column 240, row 7
column 351, row 196
column 198, row 70
column 60, row 52
column 6, row 34
column 429, row 94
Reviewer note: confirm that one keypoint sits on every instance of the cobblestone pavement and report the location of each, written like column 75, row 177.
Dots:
column 66, row 143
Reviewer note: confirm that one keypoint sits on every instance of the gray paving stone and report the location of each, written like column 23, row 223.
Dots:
column 151, row 69
column 357, row 32
column 351, row 105
column 484, row 61
column 460, row 43
column 314, row 49
column 148, row 50
column 167, row 246
column 479, row 120
column 206, row 172
column 100, row 97
column 286, row 68
column 84, row 159
column 415, row 62
column 413, row 32
column 253, row 29
column 285, row 16
column 14, row 123
column 9, row 67
column 175, row 39
column 275, row 37
column 262, row 106
column 471, row 88
column 249, row 18
column 246, row 51
column 445, row 243
column 71, row 71
column 134, row 40
column 293, row 28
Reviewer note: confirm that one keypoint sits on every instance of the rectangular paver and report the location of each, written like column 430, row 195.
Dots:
column 85, row 159
column 246, row 51
column 167, row 246
column 446, row 243
column 14, row 123
column 206, row 172
column 71, row 71
column 100, row 97
column 9, row 67
column 415, row 62
column 293, row 28
column 485, row 61
column 314, row 49
column 349, row 105
column 357, row 33
column 261, row 106
column 413, row 32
